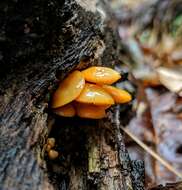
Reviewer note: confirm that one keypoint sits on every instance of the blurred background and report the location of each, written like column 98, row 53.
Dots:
column 151, row 36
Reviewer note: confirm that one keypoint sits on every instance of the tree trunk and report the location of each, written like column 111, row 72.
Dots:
column 42, row 41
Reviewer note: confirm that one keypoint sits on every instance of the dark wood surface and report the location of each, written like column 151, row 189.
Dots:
column 41, row 41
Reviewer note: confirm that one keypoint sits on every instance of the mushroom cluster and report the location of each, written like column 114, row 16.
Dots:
column 52, row 154
column 88, row 93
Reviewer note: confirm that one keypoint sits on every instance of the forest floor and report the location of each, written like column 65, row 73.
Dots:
column 151, row 34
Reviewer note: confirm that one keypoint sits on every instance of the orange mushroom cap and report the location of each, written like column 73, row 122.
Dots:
column 53, row 154
column 69, row 89
column 120, row 96
column 51, row 142
column 65, row 111
column 101, row 75
column 90, row 111
column 93, row 94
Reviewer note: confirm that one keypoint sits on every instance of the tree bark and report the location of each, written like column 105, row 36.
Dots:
column 41, row 42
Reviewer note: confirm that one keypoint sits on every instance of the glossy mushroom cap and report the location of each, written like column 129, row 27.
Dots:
column 120, row 96
column 69, row 89
column 65, row 111
column 90, row 111
column 101, row 75
column 93, row 94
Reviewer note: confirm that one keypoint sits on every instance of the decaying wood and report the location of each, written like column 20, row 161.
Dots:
column 41, row 41
column 134, row 171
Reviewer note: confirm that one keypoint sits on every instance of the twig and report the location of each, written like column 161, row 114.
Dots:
column 151, row 152
column 145, row 147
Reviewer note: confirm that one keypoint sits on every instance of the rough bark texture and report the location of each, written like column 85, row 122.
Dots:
column 41, row 41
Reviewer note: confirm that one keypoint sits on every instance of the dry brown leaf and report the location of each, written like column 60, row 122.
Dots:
column 168, row 130
column 171, row 78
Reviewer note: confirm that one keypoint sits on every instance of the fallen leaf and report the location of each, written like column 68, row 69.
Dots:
column 168, row 130
column 171, row 78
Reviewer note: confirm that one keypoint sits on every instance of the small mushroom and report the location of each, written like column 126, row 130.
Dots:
column 51, row 142
column 101, row 75
column 69, row 89
column 65, row 111
column 48, row 147
column 93, row 94
column 90, row 111
column 53, row 154
column 120, row 96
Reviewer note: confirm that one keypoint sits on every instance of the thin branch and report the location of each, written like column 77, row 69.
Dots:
column 152, row 153
column 145, row 147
